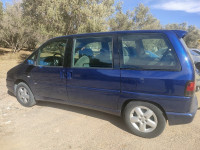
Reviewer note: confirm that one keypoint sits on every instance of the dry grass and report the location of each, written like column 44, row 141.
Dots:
column 7, row 54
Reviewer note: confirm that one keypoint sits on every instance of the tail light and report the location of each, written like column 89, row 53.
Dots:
column 190, row 88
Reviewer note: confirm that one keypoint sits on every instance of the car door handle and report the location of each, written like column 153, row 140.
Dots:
column 68, row 75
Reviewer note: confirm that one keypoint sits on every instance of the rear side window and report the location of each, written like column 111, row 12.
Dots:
column 93, row 52
column 148, row 51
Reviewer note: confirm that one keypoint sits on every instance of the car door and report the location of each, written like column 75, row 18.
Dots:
column 94, row 77
column 47, row 75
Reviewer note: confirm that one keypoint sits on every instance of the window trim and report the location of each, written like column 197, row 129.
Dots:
column 166, row 39
column 96, row 36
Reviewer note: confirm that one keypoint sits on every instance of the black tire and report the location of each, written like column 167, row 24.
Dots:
column 29, row 102
column 158, row 119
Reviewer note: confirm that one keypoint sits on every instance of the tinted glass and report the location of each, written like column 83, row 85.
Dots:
column 52, row 54
column 30, row 61
column 92, row 52
column 197, row 52
column 194, row 53
column 148, row 51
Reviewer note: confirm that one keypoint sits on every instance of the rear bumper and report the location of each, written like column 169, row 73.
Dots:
column 183, row 118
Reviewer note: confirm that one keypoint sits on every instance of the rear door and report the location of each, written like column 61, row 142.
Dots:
column 94, row 76
column 149, row 65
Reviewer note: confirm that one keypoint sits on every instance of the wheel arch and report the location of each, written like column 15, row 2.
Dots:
column 17, row 82
column 136, row 100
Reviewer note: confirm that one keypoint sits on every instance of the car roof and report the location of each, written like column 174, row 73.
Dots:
column 179, row 33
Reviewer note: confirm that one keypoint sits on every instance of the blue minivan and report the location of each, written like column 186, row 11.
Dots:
column 147, row 77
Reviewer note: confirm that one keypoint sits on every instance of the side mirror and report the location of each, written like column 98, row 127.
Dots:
column 30, row 62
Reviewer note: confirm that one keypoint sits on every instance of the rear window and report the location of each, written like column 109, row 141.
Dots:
column 148, row 51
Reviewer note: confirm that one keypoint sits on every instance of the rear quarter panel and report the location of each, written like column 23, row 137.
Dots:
column 165, row 88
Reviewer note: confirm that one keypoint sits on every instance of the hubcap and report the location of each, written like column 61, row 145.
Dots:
column 23, row 95
column 143, row 119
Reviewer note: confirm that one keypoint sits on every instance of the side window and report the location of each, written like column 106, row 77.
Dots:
column 52, row 54
column 92, row 52
column 194, row 53
column 148, row 51
column 197, row 52
column 31, row 60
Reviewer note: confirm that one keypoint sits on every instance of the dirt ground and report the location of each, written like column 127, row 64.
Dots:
column 50, row 126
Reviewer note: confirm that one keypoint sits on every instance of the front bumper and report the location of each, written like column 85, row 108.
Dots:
column 183, row 118
column 10, row 86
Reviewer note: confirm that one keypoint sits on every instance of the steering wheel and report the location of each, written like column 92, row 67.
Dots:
column 58, row 54
column 164, row 55
column 161, row 61
column 56, row 61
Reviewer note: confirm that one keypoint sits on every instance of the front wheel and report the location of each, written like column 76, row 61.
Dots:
column 144, row 119
column 24, row 95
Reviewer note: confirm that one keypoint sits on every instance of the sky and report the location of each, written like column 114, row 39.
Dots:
column 167, row 11
column 170, row 11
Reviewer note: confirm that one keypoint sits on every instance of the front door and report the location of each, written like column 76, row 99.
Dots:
column 92, row 79
column 47, row 75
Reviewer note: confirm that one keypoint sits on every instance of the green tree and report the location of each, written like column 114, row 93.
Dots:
column 14, row 31
column 34, row 21
column 1, row 10
column 191, row 39
column 144, row 20
column 95, row 14
column 63, row 17
column 193, row 36
column 175, row 26
column 121, row 21
column 1, row 17
column 138, row 19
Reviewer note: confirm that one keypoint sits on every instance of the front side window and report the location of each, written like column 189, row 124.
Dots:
column 31, row 60
column 148, row 51
column 52, row 54
column 92, row 52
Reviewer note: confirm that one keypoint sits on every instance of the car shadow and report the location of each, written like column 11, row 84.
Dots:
column 10, row 93
column 115, row 120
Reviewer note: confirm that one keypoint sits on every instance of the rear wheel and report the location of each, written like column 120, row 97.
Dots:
column 144, row 119
column 24, row 95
